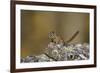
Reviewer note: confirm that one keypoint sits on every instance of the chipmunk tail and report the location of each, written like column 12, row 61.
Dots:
column 73, row 37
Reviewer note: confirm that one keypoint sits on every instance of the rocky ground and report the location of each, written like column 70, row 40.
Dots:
column 59, row 52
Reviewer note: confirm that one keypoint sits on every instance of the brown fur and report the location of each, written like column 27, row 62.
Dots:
column 58, row 39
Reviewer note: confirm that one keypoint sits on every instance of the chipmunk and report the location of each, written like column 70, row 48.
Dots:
column 58, row 39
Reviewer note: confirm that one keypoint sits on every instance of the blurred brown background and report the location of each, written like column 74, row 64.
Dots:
column 35, row 26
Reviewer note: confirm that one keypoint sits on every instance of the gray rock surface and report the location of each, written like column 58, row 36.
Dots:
column 59, row 52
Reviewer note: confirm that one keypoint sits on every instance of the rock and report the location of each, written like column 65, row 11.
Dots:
column 30, row 59
column 43, row 58
column 59, row 52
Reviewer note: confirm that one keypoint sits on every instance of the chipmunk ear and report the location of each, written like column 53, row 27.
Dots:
column 52, row 32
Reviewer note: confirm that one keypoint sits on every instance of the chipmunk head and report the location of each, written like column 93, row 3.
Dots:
column 52, row 36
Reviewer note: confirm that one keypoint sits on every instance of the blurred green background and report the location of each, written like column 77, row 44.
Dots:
column 35, row 26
